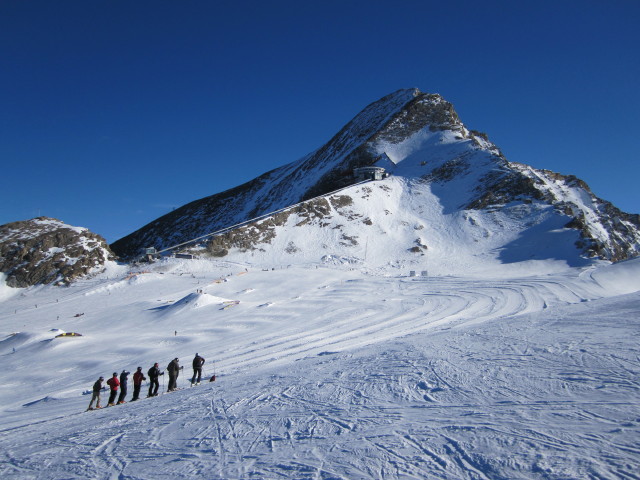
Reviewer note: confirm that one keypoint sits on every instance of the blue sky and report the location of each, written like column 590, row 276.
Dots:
column 114, row 112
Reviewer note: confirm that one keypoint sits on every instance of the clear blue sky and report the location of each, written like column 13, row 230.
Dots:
column 114, row 112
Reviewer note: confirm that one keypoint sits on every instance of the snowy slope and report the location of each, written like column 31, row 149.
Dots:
column 328, row 371
column 403, row 223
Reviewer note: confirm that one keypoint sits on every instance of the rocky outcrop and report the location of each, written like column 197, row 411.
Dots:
column 252, row 236
column 45, row 250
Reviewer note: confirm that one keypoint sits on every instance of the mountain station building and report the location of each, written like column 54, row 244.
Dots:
column 369, row 173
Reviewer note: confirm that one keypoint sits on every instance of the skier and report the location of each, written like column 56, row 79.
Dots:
column 113, row 383
column 174, row 370
column 123, row 386
column 96, row 393
column 138, row 378
column 154, row 372
column 198, row 362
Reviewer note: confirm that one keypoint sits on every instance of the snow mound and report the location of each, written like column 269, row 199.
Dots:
column 131, row 279
column 194, row 301
column 20, row 340
column 621, row 278
column 13, row 341
column 46, row 399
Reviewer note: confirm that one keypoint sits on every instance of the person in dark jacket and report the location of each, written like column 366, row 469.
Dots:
column 96, row 393
column 138, row 378
column 198, row 362
column 154, row 372
column 113, row 383
column 174, row 370
column 123, row 386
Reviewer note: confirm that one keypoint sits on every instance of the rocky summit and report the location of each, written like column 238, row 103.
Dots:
column 449, row 200
column 45, row 250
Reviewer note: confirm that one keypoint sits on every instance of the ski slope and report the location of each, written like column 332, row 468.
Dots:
column 327, row 371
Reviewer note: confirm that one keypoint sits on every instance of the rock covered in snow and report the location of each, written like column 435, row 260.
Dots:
column 45, row 250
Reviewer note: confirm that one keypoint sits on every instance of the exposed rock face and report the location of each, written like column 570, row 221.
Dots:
column 251, row 236
column 45, row 250
column 416, row 136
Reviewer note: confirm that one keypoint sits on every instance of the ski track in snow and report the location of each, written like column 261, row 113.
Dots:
column 344, row 376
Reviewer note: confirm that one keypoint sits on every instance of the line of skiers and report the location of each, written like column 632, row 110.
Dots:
column 154, row 373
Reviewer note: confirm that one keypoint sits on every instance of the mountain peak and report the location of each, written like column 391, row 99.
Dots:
column 448, row 177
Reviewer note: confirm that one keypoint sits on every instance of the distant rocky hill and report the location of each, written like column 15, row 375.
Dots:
column 45, row 250
column 454, row 185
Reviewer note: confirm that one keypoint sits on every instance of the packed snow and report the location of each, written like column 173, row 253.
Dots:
column 351, row 372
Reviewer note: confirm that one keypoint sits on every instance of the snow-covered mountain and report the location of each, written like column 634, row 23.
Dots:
column 46, row 250
column 445, row 322
column 448, row 186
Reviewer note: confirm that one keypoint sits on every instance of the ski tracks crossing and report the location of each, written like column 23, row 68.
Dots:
column 311, row 404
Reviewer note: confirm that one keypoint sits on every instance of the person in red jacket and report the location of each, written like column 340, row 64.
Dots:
column 113, row 383
column 138, row 378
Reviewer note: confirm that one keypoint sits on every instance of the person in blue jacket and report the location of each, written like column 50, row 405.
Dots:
column 123, row 386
